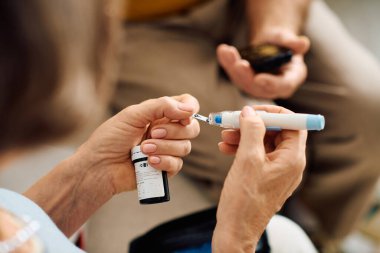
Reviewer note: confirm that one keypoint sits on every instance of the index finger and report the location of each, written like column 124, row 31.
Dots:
column 174, row 108
column 190, row 100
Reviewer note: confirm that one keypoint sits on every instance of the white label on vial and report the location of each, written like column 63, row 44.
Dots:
column 149, row 181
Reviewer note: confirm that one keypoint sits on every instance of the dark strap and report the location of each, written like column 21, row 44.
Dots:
column 263, row 245
column 191, row 233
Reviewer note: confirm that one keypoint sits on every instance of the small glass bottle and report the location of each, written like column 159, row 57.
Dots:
column 152, row 184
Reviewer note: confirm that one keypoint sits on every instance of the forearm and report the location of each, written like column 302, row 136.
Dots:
column 225, row 241
column 71, row 193
column 239, row 227
column 265, row 15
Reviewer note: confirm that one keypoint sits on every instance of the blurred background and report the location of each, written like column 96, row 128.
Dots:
column 361, row 18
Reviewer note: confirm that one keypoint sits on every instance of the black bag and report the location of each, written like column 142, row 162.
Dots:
column 188, row 234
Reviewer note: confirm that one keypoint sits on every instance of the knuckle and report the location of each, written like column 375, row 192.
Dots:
column 302, row 163
column 293, row 164
column 259, row 159
column 166, row 100
column 174, row 165
column 282, row 109
column 195, row 129
column 179, row 164
column 297, row 166
column 186, row 148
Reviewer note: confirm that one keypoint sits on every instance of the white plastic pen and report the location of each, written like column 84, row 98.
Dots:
column 272, row 121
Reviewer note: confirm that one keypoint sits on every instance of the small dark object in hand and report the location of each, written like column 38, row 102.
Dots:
column 266, row 58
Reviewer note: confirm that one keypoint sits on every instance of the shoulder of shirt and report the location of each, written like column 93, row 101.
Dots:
column 52, row 238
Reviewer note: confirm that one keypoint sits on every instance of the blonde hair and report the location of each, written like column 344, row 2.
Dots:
column 54, row 56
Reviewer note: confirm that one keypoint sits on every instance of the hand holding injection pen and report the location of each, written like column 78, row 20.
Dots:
column 272, row 121
column 267, row 168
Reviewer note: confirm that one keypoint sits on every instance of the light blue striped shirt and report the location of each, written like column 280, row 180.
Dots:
column 53, row 240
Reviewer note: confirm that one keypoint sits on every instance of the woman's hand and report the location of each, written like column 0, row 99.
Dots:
column 102, row 166
column 163, row 125
column 265, row 85
column 267, row 169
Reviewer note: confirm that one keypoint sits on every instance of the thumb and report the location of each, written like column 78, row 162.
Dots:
column 173, row 108
column 252, row 130
column 227, row 55
column 299, row 44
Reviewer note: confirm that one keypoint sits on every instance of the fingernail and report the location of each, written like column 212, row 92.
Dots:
column 248, row 111
column 185, row 107
column 158, row 133
column 149, row 148
column 154, row 159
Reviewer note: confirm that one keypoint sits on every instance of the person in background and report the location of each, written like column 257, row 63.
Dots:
column 54, row 65
column 191, row 46
column 49, row 87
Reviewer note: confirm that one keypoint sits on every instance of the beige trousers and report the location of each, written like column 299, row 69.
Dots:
column 177, row 55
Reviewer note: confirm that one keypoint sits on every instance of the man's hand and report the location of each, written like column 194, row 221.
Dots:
column 264, row 85
column 267, row 169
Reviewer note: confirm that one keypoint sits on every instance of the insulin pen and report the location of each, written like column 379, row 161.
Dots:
column 272, row 121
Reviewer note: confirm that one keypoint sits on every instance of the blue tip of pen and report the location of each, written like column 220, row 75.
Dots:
column 218, row 119
column 315, row 122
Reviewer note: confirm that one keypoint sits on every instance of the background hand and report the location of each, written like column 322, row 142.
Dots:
column 265, row 85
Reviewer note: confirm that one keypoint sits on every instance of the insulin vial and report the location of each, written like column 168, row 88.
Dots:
column 152, row 184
